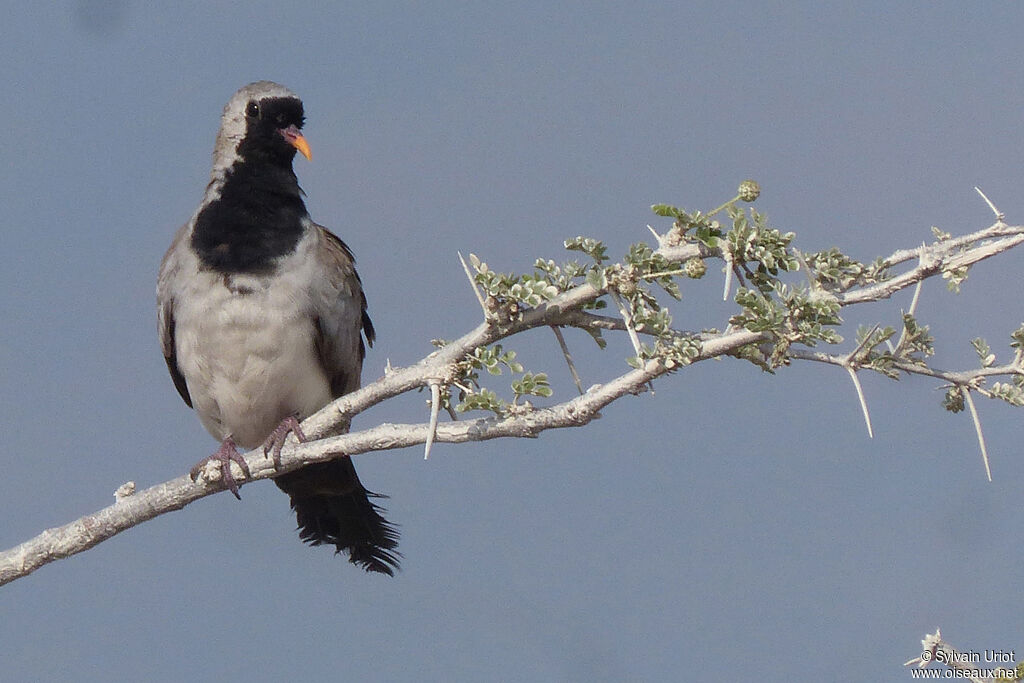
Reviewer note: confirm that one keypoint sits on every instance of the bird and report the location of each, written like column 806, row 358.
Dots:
column 262, row 320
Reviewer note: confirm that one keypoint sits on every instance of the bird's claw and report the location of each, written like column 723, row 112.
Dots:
column 275, row 441
column 225, row 455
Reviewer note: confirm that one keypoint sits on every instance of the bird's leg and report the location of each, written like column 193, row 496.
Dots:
column 227, row 453
column 276, row 439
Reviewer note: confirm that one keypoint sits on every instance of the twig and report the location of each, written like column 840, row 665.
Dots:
column 726, row 204
column 654, row 276
column 955, row 244
column 933, row 259
column 950, row 376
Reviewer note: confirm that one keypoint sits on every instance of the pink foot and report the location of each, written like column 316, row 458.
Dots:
column 227, row 453
column 276, row 439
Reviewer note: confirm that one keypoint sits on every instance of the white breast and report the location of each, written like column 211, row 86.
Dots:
column 246, row 347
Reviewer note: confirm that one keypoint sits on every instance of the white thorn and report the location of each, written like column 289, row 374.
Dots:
column 472, row 283
column 633, row 337
column 977, row 428
column 568, row 358
column 863, row 403
column 655, row 233
column 999, row 214
column 917, row 297
column 863, row 342
column 435, row 409
column 807, row 270
column 728, row 277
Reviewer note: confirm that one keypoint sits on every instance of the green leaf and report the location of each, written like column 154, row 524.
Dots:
column 595, row 249
column 985, row 354
column 596, row 278
column 954, row 399
column 1010, row 393
column 668, row 211
column 955, row 277
column 1018, row 338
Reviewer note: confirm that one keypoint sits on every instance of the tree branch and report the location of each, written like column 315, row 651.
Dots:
column 504, row 318
column 946, row 254
column 134, row 509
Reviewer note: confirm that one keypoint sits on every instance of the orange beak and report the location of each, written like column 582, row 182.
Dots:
column 295, row 139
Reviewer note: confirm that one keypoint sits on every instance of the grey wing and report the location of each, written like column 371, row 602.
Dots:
column 340, row 314
column 170, row 271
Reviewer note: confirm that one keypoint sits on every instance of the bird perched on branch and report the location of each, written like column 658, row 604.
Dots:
column 262, row 318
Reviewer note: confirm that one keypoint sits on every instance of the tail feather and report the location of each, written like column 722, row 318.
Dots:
column 333, row 507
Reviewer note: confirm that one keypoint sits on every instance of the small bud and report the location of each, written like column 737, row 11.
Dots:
column 623, row 280
column 749, row 190
column 124, row 490
column 695, row 268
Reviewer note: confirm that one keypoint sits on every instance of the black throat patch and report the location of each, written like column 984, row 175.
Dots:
column 256, row 220
column 258, row 217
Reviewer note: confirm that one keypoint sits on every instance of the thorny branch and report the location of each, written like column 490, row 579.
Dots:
column 568, row 306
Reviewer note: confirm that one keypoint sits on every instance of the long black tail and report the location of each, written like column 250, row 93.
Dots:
column 332, row 506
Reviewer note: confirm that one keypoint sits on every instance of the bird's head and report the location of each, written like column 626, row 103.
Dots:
column 261, row 122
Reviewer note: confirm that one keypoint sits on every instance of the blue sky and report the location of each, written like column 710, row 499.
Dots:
column 734, row 523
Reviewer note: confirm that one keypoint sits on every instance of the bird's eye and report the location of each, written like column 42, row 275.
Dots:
column 252, row 110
